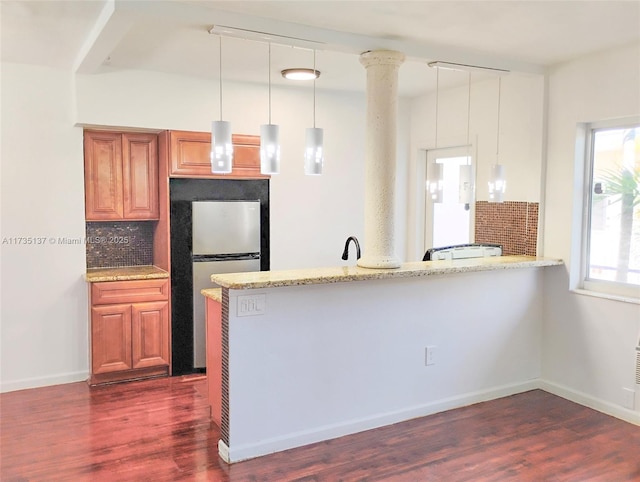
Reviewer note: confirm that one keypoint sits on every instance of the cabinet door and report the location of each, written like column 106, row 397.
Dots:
column 140, row 176
column 103, row 176
column 191, row 156
column 246, row 156
column 150, row 334
column 190, row 153
column 110, row 338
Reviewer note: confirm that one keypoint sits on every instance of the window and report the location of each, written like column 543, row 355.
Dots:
column 612, row 242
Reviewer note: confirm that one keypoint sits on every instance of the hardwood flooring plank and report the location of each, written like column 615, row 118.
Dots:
column 160, row 430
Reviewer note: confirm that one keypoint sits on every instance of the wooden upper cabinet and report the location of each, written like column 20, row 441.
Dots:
column 140, row 176
column 103, row 176
column 190, row 156
column 121, row 176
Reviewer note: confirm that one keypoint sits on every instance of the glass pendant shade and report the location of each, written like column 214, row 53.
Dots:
column 221, row 147
column 466, row 187
column 313, row 153
column 269, row 149
column 435, row 181
column 497, row 184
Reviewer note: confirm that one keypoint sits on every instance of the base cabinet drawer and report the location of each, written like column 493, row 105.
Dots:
column 115, row 292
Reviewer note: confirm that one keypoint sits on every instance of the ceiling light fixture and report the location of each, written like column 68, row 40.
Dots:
column 466, row 67
column 269, row 144
column 221, row 143
column 314, row 152
column 301, row 74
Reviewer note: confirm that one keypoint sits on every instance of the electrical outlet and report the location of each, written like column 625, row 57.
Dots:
column 629, row 398
column 430, row 355
column 251, row 305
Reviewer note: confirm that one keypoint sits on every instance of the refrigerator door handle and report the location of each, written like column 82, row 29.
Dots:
column 197, row 258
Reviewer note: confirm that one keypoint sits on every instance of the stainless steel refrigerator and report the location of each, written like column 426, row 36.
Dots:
column 226, row 239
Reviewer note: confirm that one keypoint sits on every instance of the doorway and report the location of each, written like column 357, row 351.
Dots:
column 450, row 222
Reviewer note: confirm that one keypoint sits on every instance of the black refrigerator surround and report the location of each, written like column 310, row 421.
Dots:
column 210, row 207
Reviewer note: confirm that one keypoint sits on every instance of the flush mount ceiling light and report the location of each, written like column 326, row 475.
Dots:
column 300, row 74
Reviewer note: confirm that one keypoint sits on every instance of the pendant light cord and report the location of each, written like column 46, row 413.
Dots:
column 498, row 125
column 314, row 89
column 437, row 91
column 220, row 69
column 468, row 118
column 269, row 82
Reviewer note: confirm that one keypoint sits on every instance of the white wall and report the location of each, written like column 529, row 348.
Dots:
column 44, row 297
column 588, row 352
column 521, row 142
column 356, row 360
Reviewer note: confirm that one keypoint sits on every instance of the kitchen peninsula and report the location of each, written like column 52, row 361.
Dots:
column 309, row 355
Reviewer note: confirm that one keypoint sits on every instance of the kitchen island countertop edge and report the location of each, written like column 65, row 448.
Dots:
column 338, row 274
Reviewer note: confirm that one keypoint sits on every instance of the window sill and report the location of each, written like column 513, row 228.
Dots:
column 607, row 296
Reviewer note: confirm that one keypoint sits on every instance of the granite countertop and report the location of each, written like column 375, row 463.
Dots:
column 275, row 279
column 94, row 275
column 214, row 293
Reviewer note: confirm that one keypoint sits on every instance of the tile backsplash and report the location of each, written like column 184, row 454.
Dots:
column 118, row 244
column 514, row 225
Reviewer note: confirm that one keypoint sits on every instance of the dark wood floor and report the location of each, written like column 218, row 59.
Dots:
column 159, row 430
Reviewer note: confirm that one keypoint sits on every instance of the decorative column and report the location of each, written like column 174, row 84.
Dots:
column 380, row 162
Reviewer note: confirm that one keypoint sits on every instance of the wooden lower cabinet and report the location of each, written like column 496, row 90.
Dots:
column 129, row 340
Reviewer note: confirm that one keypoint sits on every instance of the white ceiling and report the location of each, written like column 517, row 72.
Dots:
column 172, row 36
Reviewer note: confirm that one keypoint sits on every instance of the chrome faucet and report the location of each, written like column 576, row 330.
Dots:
column 345, row 253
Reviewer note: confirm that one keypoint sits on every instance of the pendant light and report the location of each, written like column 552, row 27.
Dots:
column 497, row 182
column 435, row 171
column 269, row 145
column 314, row 152
column 466, row 185
column 221, row 143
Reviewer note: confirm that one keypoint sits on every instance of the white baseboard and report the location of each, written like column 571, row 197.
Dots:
column 36, row 382
column 223, row 451
column 236, row 453
column 581, row 398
